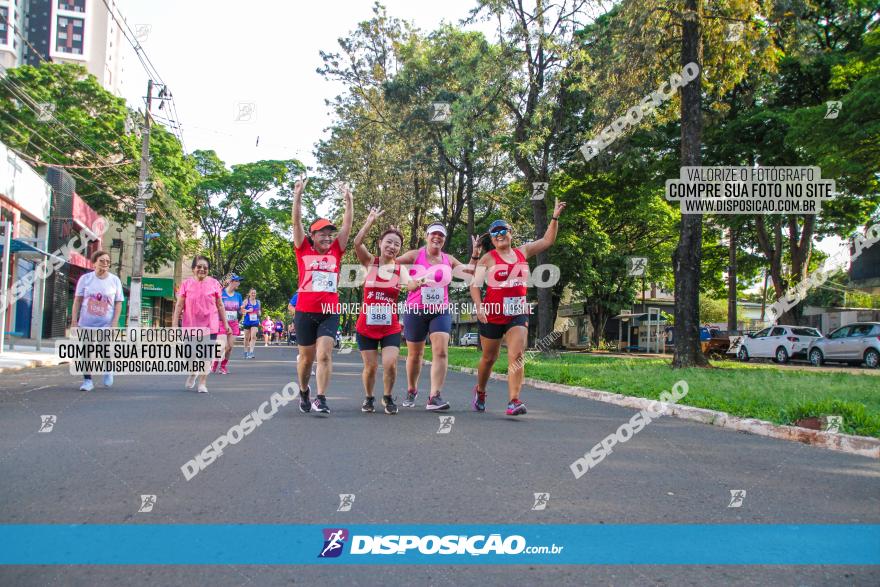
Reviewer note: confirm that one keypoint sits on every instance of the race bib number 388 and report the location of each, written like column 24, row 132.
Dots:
column 379, row 316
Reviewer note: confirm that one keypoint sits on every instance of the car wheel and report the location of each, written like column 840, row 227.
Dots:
column 781, row 355
column 816, row 358
column 743, row 354
column 872, row 358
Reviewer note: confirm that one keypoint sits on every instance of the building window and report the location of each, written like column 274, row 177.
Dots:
column 69, row 35
column 4, row 28
column 72, row 5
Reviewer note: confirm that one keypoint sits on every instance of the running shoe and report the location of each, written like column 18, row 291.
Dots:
column 390, row 406
column 516, row 408
column 410, row 401
column 367, row 406
column 214, row 366
column 87, row 385
column 224, row 370
column 305, row 405
column 479, row 400
column 320, row 405
column 436, row 403
column 203, row 388
column 108, row 379
column 191, row 381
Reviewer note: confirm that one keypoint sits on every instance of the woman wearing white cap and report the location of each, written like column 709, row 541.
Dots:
column 504, row 311
column 428, row 313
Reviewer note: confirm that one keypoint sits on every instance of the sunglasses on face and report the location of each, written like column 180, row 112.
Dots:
column 202, row 267
column 499, row 232
column 437, row 233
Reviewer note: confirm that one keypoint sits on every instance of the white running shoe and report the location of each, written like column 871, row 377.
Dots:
column 108, row 379
column 203, row 388
column 191, row 381
column 87, row 385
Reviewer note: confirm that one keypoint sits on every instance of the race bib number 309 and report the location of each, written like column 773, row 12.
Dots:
column 324, row 281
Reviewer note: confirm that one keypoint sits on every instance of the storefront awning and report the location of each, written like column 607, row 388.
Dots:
column 23, row 248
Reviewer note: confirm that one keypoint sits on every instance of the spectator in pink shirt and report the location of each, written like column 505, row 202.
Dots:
column 200, row 300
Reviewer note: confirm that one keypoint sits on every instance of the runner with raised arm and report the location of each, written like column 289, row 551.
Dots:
column 378, row 323
column 428, row 313
column 504, row 311
column 318, row 258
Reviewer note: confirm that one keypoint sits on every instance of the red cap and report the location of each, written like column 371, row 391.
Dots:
column 321, row 223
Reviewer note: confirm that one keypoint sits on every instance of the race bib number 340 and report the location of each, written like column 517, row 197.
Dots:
column 324, row 281
column 515, row 306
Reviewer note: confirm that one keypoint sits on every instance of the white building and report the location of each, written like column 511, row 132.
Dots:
column 25, row 200
column 65, row 31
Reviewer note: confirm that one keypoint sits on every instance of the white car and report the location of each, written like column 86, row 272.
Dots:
column 469, row 339
column 779, row 343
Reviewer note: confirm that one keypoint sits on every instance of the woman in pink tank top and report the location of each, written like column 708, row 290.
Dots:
column 428, row 313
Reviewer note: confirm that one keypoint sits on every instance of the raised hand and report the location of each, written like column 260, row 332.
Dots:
column 560, row 206
column 476, row 245
column 375, row 213
column 300, row 186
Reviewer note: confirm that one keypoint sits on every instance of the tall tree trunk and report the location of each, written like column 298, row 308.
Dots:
column 731, row 282
column 688, row 255
column 545, row 312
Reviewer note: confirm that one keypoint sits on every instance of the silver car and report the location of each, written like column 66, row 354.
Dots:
column 853, row 343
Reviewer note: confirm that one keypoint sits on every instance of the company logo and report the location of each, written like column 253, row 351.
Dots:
column 446, row 423
column 541, row 501
column 346, row 500
column 334, row 540
column 147, row 503
column 737, row 496
column 47, row 423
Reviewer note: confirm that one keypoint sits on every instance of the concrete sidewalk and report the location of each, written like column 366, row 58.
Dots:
column 25, row 356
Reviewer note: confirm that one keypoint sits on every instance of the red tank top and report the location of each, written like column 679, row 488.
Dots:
column 378, row 316
column 506, row 289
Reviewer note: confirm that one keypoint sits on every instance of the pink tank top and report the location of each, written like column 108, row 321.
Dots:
column 435, row 292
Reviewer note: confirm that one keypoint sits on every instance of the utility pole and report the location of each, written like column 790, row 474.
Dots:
column 144, row 192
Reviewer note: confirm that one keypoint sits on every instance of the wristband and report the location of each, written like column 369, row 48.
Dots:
column 475, row 258
column 556, row 218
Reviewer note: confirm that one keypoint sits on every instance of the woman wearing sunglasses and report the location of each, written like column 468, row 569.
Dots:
column 504, row 311
column 428, row 313
column 200, row 300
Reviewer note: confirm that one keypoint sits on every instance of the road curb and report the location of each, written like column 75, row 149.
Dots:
column 32, row 364
column 847, row 443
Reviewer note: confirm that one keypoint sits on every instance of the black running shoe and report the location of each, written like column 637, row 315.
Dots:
column 367, row 406
column 436, row 403
column 320, row 404
column 390, row 406
column 304, row 405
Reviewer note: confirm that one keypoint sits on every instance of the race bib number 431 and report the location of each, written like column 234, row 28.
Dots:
column 515, row 306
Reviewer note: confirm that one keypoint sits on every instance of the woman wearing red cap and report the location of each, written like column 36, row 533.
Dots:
column 504, row 311
column 318, row 257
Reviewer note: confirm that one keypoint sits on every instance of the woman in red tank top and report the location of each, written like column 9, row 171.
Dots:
column 504, row 311
column 378, row 323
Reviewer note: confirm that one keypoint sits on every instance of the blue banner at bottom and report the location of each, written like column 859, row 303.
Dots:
column 649, row 544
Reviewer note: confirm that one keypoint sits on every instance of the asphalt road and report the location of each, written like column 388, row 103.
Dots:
column 108, row 447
